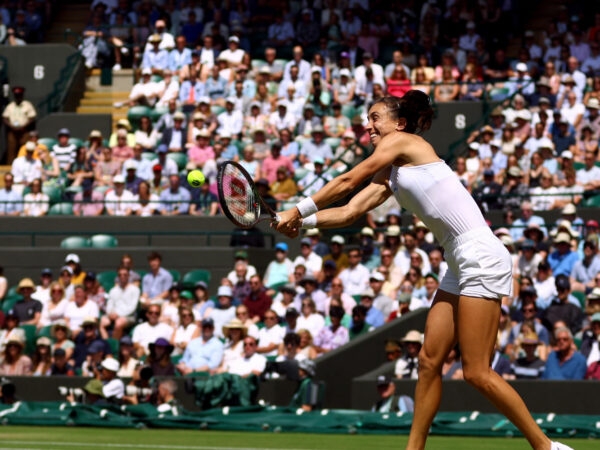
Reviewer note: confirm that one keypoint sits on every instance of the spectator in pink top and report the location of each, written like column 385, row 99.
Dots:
column 275, row 160
column 202, row 154
column 122, row 151
column 88, row 202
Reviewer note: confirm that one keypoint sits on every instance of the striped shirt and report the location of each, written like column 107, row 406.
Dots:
column 64, row 155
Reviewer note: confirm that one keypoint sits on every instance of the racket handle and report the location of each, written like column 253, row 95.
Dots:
column 277, row 218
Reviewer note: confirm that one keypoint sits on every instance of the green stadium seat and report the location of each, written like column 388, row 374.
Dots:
column 579, row 296
column 54, row 193
column 103, row 241
column 299, row 174
column 175, row 274
column 257, row 63
column 333, row 142
column 578, row 165
column 356, row 298
column 592, row 202
column 158, row 112
column 77, row 142
column 61, row 209
column 148, row 156
column 277, row 286
column 48, row 142
column 216, row 109
column 498, row 94
column 179, row 158
column 45, row 332
column 135, row 113
column 348, row 110
column 30, row 338
column 73, row 242
column 114, row 346
column 190, row 278
column 107, row 279
column 9, row 302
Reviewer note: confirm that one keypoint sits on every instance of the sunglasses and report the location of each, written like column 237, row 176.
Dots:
column 249, row 344
column 270, row 318
column 153, row 313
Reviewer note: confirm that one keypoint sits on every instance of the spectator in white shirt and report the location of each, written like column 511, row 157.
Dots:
column 25, row 169
column 250, row 363
column 167, row 40
column 148, row 332
column 234, row 54
column 36, row 203
column 308, row 258
column 356, row 276
column 79, row 310
column 231, row 120
column 121, row 306
column 119, row 201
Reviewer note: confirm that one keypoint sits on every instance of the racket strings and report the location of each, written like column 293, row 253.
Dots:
column 239, row 196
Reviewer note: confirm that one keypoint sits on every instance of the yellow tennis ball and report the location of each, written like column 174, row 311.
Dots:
column 196, row 178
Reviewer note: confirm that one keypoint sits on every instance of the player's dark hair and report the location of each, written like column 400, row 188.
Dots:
column 415, row 107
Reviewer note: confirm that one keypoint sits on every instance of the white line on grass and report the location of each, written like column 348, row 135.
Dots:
column 100, row 444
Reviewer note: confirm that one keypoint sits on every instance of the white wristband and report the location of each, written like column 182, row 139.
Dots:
column 307, row 207
column 310, row 221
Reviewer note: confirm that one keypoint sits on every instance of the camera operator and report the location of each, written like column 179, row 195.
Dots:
column 165, row 397
column 140, row 388
column 113, row 387
column 93, row 361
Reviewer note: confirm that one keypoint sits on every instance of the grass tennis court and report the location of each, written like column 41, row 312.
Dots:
column 54, row 438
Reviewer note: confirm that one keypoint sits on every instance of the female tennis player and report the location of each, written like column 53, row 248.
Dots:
column 467, row 304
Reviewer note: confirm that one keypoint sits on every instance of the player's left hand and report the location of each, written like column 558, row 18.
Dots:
column 289, row 223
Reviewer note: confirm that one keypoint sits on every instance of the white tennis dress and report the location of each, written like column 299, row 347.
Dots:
column 478, row 263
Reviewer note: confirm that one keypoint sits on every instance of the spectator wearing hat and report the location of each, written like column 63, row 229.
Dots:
column 74, row 262
column 155, row 58
column 563, row 307
column 337, row 253
column 19, row 117
column 159, row 358
column 373, row 317
column 370, row 252
column 528, row 260
column 566, row 362
column 284, row 300
column 234, row 55
column 175, row 137
column 27, row 309
column 526, row 219
column 60, row 365
column 308, row 258
column 113, row 388
column 407, row 366
column 61, row 336
column 128, row 364
column 592, row 115
column 14, row 361
column 119, row 201
column 223, row 311
column 529, row 366
column 87, row 342
column 27, row 168
column 544, row 284
column 63, row 150
column 280, row 269
column 42, row 290
column 42, row 357
column 487, row 193
column 145, row 92
column 381, row 301
column 571, row 107
column 121, row 305
column 585, row 270
column 562, row 259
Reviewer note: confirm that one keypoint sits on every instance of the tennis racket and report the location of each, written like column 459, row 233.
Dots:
column 239, row 197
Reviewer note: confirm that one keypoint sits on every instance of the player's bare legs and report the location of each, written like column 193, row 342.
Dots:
column 440, row 337
column 477, row 324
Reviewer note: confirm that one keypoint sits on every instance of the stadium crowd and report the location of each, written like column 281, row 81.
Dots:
column 294, row 117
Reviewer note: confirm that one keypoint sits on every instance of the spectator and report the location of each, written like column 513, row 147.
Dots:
column 27, row 309
column 27, row 168
column 128, row 364
column 231, row 120
column 132, row 181
column 155, row 57
column 86, row 341
column 19, row 117
column 121, row 306
column 54, row 307
column 309, row 258
column 88, row 202
column 589, row 175
column 149, row 331
column 274, row 161
column 564, row 307
column 186, row 331
column 585, row 270
column 206, row 203
column 374, row 318
column 107, row 167
column 258, row 301
column 145, row 92
column 271, row 335
column 381, row 302
column 175, row 200
column 566, row 362
column 333, row 336
column 80, row 310
column 63, row 150
column 309, row 319
column 60, row 365
column 407, row 366
column 204, row 353
column 563, row 258
column 62, row 338
column 36, row 202
column 590, row 341
column 42, row 290
column 159, row 358
column 279, row 269
column 156, row 283
column 14, row 362
column 250, row 363
column 224, row 311
column 190, row 92
column 42, row 357
column 119, row 201
column 174, row 138
column 356, row 276
column 525, row 221
column 11, row 201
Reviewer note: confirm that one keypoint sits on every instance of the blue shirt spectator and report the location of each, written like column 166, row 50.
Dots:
column 176, row 199
column 563, row 258
column 573, row 368
column 179, row 58
column 155, row 59
column 11, row 202
column 204, row 353
column 154, row 286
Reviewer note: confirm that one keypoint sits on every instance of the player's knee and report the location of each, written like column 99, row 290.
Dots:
column 476, row 376
column 428, row 364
